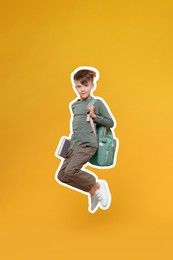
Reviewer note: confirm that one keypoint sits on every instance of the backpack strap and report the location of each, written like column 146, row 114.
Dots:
column 92, row 122
column 92, row 101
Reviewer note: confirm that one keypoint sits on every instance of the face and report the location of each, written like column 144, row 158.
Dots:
column 84, row 90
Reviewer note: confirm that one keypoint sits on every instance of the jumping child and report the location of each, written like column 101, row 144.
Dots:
column 83, row 143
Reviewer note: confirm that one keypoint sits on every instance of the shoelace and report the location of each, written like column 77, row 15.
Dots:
column 99, row 195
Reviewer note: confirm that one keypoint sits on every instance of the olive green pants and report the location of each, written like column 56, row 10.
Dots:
column 70, row 172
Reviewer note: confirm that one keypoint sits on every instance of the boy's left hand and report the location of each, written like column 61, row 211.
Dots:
column 91, row 111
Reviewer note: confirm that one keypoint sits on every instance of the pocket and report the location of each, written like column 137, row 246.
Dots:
column 111, row 152
column 105, row 154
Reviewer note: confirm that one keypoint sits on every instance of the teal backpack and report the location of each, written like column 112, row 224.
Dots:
column 105, row 153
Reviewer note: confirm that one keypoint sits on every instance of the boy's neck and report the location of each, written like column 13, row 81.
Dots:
column 90, row 97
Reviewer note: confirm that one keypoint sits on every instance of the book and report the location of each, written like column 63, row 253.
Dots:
column 63, row 147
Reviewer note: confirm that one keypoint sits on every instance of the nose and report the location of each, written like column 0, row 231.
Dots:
column 82, row 89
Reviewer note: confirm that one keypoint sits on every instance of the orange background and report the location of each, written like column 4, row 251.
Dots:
column 130, row 43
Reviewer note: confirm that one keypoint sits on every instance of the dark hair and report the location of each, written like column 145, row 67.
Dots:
column 84, row 76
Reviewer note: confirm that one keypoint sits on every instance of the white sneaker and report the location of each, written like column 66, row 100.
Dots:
column 93, row 203
column 103, row 194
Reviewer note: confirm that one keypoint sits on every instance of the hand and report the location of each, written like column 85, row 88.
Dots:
column 91, row 111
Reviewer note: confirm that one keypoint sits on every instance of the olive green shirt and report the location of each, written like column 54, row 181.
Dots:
column 82, row 132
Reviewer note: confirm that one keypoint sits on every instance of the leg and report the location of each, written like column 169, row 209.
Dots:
column 63, row 177
column 71, row 173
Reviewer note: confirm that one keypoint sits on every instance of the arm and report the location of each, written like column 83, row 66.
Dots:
column 101, row 115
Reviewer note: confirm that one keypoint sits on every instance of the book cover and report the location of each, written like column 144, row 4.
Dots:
column 63, row 147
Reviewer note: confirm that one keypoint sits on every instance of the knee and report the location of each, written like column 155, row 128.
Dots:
column 60, row 176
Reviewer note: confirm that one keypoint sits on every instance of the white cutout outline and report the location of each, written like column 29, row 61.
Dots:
column 71, row 131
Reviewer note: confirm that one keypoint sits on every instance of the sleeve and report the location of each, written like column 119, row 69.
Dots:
column 71, row 107
column 103, row 116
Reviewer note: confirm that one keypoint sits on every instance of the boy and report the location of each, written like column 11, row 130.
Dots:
column 83, row 143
